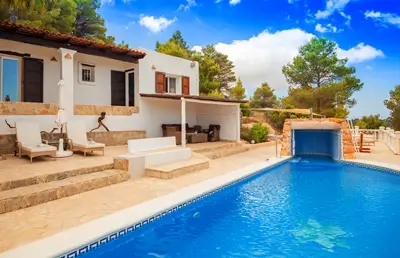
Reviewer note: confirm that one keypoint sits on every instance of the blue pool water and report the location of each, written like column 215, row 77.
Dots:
column 307, row 207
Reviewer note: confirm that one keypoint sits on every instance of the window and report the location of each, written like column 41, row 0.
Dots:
column 9, row 73
column 170, row 84
column 86, row 73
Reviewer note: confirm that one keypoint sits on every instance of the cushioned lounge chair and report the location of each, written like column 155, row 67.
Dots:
column 77, row 138
column 30, row 142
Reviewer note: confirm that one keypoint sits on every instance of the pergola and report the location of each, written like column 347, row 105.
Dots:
column 290, row 110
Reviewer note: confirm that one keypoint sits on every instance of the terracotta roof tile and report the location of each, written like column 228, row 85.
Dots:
column 70, row 39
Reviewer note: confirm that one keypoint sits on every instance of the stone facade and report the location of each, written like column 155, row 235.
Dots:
column 27, row 108
column 348, row 147
column 95, row 110
column 115, row 138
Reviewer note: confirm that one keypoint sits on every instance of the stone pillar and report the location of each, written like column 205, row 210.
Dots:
column 239, row 122
column 380, row 133
column 67, row 75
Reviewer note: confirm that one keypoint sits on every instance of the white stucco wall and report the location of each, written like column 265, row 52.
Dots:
column 51, row 68
column 224, row 115
column 171, row 66
column 155, row 112
column 100, row 92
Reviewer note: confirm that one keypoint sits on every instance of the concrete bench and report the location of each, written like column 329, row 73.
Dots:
column 145, row 153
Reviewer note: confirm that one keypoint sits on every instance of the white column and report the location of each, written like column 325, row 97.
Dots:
column 238, row 123
column 397, row 142
column 356, row 130
column 183, row 122
column 67, row 74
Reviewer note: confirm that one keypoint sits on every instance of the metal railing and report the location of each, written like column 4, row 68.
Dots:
column 387, row 135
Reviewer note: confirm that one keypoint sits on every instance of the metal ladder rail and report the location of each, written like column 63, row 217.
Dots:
column 353, row 137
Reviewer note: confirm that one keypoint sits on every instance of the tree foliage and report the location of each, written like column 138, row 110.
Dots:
column 320, row 80
column 370, row 122
column 77, row 17
column 393, row 104
column 263, row 97
column 238, row 92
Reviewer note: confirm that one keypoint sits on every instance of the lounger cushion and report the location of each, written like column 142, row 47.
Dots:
column 36, row 148
column 28, row 133
column 76, row 131
column 90, row 145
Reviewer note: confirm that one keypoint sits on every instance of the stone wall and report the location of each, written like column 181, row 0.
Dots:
column 95, row 110
column 348, row 147
column 7, row 141
column 27, row 108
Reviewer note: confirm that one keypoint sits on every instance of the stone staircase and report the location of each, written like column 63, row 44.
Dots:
column 27, row 192
column 221, row 151
column 175, row 169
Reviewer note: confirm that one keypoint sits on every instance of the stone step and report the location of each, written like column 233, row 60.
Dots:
column 23, row 197
column 45, row 178
column 220, row 147
column 220, row 153
column 175, row 169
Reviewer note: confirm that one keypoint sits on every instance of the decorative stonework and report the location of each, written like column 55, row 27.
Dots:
column 95, row 110
column 116, row 138
column 348, row 147
column 27, row 108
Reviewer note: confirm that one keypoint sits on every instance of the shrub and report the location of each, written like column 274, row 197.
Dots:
column 246, row 111
column 245, row 134
column 259, row 133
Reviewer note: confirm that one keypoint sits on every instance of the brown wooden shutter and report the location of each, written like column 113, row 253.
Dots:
column 160, row 82
column 33, row 80
column 185, row 85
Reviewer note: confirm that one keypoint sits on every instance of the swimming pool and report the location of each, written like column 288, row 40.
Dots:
column 306, row 207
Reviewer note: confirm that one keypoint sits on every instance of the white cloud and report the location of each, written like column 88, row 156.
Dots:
column 347, row 17
column 107, row 2
column 329, row 28
column 331, row 7
column 260, row 58
column 360, row 53
column 155, row 24
column 234, row 2
column 196, row 48
column 218, row 1
column 189, row 4
column 384, row 18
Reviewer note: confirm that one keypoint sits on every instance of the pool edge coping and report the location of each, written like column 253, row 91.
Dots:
column 382, row 166
column 73, row 240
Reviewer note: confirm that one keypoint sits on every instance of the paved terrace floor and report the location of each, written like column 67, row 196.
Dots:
column 26, row 225
column 380, row 153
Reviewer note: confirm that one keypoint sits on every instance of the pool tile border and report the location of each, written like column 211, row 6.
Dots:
column 53, row 246
column 384, row 167
column 104, row 240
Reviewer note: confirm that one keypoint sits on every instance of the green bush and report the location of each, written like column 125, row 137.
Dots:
column 246, row 111
column 245, row 134
column 259, row 133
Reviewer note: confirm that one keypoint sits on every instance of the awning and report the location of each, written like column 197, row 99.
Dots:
column 289, row 110
column 191, row 97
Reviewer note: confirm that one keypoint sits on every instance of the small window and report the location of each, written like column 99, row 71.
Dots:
column 170, row 84
column 86, row 73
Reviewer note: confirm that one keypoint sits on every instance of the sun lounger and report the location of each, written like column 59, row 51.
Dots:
column 77, row 138
column 30, row 143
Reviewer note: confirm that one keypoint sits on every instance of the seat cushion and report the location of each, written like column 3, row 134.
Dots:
column 39, row 148
column 90, row 145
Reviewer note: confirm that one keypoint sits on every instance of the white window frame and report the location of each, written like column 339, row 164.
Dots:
column 2, row 57
column 81, row 66
column 177, row 83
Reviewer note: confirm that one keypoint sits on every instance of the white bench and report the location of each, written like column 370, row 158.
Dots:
column 145, row 153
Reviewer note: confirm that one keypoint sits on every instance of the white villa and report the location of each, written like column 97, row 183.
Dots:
column 138, row 89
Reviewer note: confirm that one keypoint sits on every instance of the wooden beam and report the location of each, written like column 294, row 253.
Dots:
column 64, row 44
column 11, row 53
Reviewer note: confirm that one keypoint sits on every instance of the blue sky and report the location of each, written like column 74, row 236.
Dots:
column 260, row 36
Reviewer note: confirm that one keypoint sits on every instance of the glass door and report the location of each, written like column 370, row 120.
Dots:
column 9, row 79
